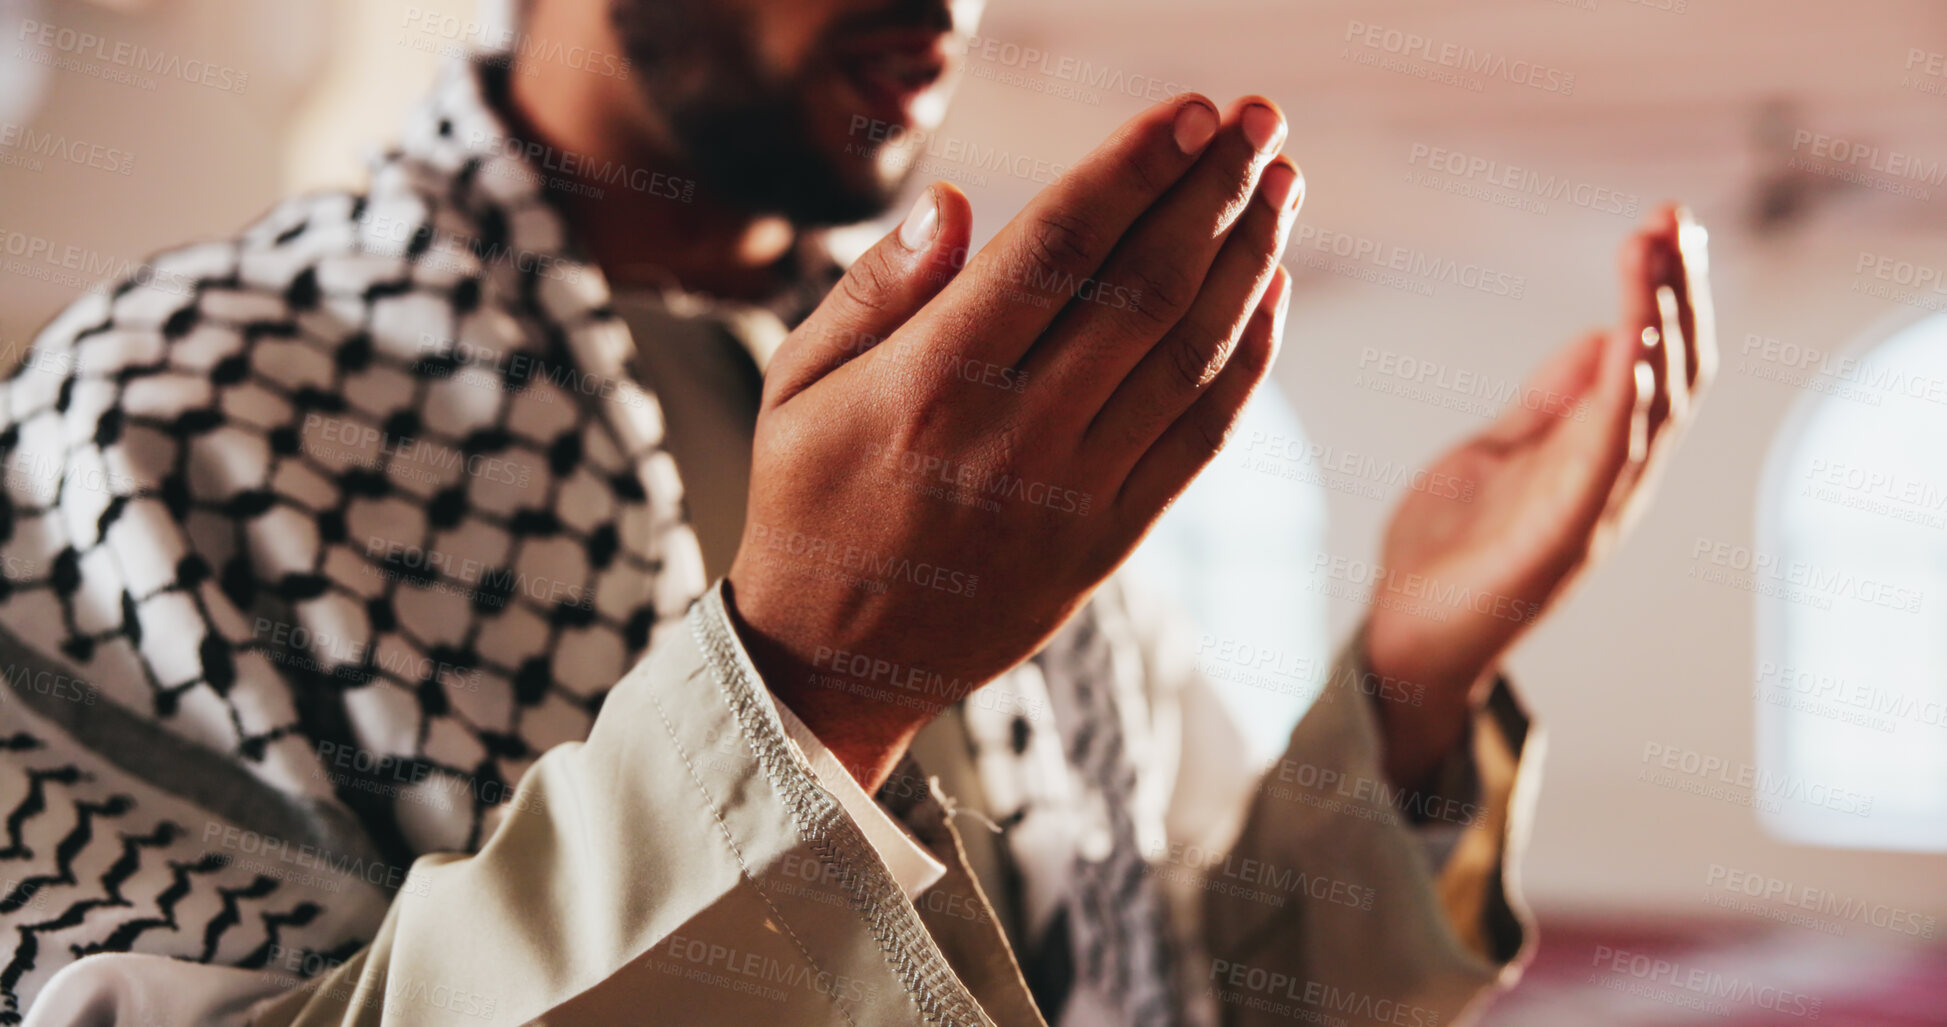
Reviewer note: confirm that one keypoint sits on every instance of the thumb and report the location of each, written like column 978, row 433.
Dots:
column 880, row 292
column 1562, row 389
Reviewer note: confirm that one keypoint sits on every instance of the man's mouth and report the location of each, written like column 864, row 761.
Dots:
column 892, row 70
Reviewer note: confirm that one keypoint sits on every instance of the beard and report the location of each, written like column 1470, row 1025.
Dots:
column 749, row 134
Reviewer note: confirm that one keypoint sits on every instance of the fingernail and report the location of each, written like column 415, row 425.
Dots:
column 1263, row 128
column 1196, row 122
column 1692, row 240
column 1280, row 292
column 921, row 224
column 1283, row 185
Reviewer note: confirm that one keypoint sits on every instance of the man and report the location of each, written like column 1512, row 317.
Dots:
column 334, row 530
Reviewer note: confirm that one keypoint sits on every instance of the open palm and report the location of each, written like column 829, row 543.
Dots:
column 1551, row 484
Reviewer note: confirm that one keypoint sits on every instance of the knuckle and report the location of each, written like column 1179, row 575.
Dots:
column 1144, row 170
column 1194, row 363
column 1001, row 447
column 1213, row 429
column 1062, row 241
column 869, row 284
column 1162, row 292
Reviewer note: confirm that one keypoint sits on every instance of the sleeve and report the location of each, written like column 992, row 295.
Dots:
column 912, row 866
column 685, row 859
column 1363, row 901
column 1325, row 894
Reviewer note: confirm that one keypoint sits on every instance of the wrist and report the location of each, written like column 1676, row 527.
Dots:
column 1418, row 736
column 864, row 724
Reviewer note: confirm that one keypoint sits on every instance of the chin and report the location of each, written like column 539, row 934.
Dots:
column 862, row 182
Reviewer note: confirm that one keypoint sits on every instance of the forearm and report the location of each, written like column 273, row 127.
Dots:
column 1429, row 932
column 1416, row 738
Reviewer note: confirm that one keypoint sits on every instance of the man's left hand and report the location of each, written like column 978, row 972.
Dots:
column 1540, row 496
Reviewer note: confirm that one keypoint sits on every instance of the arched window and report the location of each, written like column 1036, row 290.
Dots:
column 1850, row 577
column 1235, row 554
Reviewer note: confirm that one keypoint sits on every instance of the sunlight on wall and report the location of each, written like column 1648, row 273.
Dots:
column 383, row 57
column 1850, row 573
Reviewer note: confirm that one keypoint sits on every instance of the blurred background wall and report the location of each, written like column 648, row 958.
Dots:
column 1714, row 102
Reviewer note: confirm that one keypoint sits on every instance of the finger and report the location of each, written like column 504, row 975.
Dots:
column 880, row 292
column 1642, row 392
column 1674, row 276
column 1608, row 428
column 1013, row 289
column 1176, row 371
column 1196, row 437
column 1157, row 273
column 1565, row 387
column 1676, row 355
column 1645, row 262
column 1693, row 291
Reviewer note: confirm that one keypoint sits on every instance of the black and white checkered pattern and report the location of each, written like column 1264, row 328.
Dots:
column 366, row 503
column 365, row 499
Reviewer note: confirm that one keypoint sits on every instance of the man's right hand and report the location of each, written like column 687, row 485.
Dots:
column 949, row 460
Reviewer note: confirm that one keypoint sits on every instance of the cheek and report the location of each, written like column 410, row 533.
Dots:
column 785, row 34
